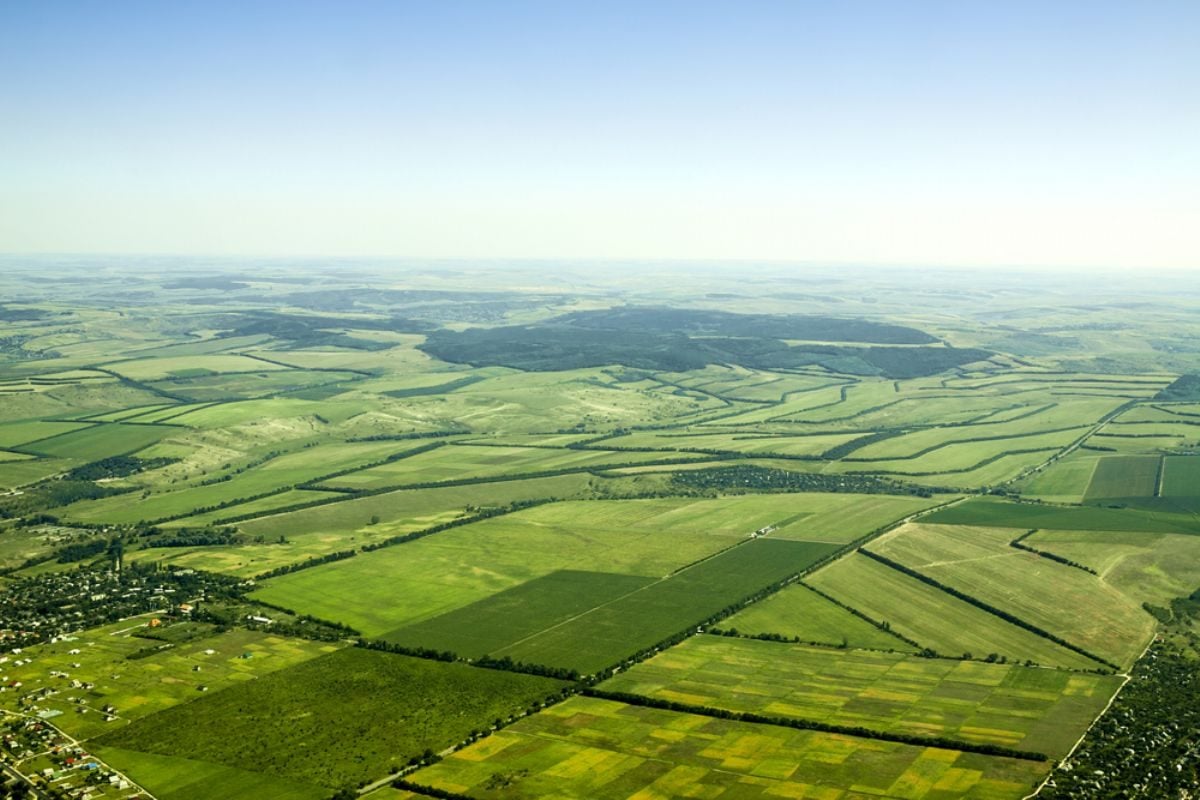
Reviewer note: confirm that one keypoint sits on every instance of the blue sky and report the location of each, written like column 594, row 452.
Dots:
column 972, row 133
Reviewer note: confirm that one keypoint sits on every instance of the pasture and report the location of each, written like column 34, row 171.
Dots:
column 462, row 462
column 101, row 441
column 1024, row 708
column 1147, row 567
column 799, row 612
column 933, row 618
column 292, row 724
column 979, row 562
column 591, row 749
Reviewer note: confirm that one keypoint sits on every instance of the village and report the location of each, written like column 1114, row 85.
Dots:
column 40, row 761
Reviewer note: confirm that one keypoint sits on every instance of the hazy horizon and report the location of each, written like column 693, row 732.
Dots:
column 1014, row 136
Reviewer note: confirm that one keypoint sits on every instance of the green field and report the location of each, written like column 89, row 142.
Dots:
column 593, row 749
column 993, row 512
column 1124, row 476
column 293, row 724
column 1147, row 567
column 750, row 444
column 460, row 462
column 1064, row 481
column 1067, row 602
column 274, row 475
column 181, row 778
column 799, row 612
column 603, row 636
column 20, row 473
column 1181, row 476
column 651, row 538
column 494, row 623
column 101, row 441
column 1030, row 709
column 933, row 618
column 14, row 434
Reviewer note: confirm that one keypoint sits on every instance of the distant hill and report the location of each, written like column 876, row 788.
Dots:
column 682, row 339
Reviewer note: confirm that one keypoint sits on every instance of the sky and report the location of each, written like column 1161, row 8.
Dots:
column 964, row 133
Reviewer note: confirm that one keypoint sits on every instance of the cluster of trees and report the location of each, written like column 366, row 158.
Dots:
column 1146, row 743
column 753, row 478
column 1183, row 388
column 198, row 537
column 52, row 494
column 566, row 343
column 116, row 467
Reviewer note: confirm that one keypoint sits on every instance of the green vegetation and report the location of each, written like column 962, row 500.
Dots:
column 642, row 619
column 1017, row 465
column 802, row 614
column 934, row 619
column 504, row 619
column 1018, row 707
column 168, row 674
column 602, row 750
column 1124, row 476
column 1181, row 476
column 980, row 563
column 292, row 724
column 987, row 511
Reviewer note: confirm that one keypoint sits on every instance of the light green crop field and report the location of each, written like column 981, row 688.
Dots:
column 799, row 612
column 276, row 474
column 1181, row 476
column 14, row 474
column 967, row 455
column 383, row 590
column 1025, row 708
column 347, row 524
column 406, row 510
column 142, row 686
column 933, row 618
column 594, row 749
column 1124, row 476
column 182, row 778
column 1147, row 567
column 292, row 724
column 14, row 434
column 459, row 462
column 753, row 444
column 102, row 441
column 1067, row 602
column 1064, row 481
column 740, row 383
